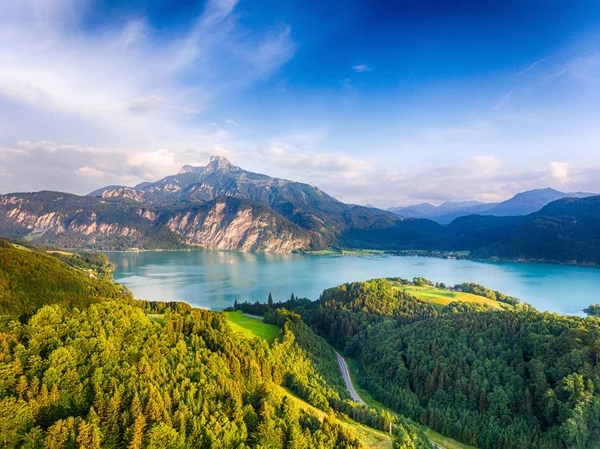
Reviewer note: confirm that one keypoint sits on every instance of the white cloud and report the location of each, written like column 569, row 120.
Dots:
column 559, row 171
column 55, row 166
column 89, row 171
column 361, row 68
column 124, row 84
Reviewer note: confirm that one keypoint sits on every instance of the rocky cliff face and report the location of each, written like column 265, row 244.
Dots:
column 234, row 224
column 81, row 222
column 124, row 192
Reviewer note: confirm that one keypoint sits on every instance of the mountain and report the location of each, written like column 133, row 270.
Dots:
column 221, row 206
column 445, row 212
column 531, row 201
column 72, row 221
column 521, row 204
column 567, row 230
column 307, row 206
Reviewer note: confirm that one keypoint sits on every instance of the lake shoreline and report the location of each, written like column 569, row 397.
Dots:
column 450, row 255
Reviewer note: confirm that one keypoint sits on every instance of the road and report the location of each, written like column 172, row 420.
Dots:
column 346, row 373
column 354, row 395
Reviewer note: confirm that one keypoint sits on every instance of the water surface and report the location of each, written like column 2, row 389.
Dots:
column 214, row 279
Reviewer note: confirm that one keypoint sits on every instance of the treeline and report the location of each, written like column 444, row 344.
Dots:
column 480, row 290
column 259, row 308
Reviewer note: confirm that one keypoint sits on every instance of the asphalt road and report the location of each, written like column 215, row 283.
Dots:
column 346, row 373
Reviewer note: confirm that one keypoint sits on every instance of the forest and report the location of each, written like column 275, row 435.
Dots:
column 514, row 378
column 86, row 366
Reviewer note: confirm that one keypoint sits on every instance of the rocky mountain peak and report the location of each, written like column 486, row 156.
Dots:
column 219, row 163
column 190, row 169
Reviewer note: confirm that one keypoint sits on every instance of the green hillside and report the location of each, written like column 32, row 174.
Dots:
column 111, row 373
column 30, row 279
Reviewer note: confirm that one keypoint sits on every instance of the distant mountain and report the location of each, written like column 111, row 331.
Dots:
column 219, row 206
column 521, row 204
column 532, row 201
column 566, row 230
column 445, row 212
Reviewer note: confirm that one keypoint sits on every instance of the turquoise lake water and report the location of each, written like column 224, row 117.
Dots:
column 215, row 279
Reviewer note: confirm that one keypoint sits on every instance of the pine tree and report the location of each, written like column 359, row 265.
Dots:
column 138, row 432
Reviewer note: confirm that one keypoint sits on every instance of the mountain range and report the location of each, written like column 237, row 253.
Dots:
column 223, row 207
column 523, row 203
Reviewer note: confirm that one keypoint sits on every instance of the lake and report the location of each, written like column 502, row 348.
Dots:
column 214, row 279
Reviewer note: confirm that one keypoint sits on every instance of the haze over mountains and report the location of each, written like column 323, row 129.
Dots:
column 221, row 206
column 521, row 204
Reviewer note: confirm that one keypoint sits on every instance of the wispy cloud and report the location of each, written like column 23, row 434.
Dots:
column 360, row 68
column 125, row 83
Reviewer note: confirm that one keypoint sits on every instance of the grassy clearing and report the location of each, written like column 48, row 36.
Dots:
column 156, row 318
column 445, row 442
column 24, row 248
column 347, row 252
column 64, row 253
column 252, row 327
column 440, row 297
column 371, row 438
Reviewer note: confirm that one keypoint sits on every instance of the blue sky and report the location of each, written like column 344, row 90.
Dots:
column 376, row 102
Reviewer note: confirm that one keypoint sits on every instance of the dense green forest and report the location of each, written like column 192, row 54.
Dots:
column 514, row 378
column 91, row 368
column 30, row 279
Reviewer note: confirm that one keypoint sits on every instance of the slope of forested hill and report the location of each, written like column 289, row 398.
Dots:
column 30, row 279
column 566, row 230
column 492, row 378
column 87, row 373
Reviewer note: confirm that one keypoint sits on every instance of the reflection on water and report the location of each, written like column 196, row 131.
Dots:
column 214, row 279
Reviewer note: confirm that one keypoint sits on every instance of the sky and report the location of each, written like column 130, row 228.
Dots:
column 381, row 102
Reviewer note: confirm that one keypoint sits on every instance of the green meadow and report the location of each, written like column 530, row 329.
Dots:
column 251, row 327
column 441, row 297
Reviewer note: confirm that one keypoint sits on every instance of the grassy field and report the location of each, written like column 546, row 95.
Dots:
column 156, row 318
column 445, row 442
column 24, row 248
column 439, row 439
column 252, row 327
column 346, row 252
column 440, row 297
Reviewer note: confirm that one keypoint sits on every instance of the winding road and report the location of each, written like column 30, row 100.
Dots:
column 346, row 373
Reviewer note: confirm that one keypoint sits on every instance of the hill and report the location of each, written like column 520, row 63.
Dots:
column 82, row 371
column 30, row 279
column 567, row 230
column 491, row 377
